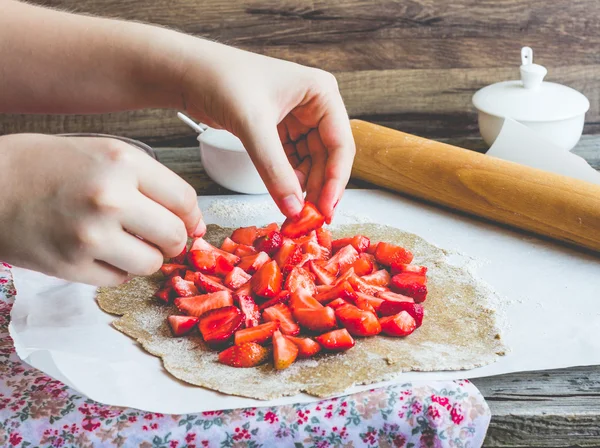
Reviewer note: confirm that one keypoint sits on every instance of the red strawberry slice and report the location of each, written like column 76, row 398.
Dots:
column 307, row 348
column 202, row 244
column 282, row 314
column 372, row 248
column 316, row 319
column 198, row 305
column 173, row 269
column 244, row 235
column 269, row 243
column 335, row 304
column 359, row 242
column 183, row 288
column 364, row 265
column 379, row 278
column 336, row 340
column 392, row 296
column 190, row 276
column 364, row 305
column 357, row 321
column 262, row 231
column 390, row 308
column 398, row 325
column 303, row 300
column 229, row 245
column 324, row 238
column 316, row 251
column 300, row 281
column 219, row 325
column 259, row 334
column 344, row 277
column 203, row 260
column 223, row 266
column 253, row 263
column 362, row 300
column 208, row 283
column 236, row 278
column 248, row 308
column 344, row 259
column 249, row 354
column 214, row 278
column 181, row 325
column 387, row 254
column 245, row 251
column 285, row 351
column 322, row 276
column 411, row 284
column 344, row 290
column 165, row 294
column 310, row 219
column 358, row 284
column 282, row 297
column 399, row 268
column 311, row 236
column 180, row 259
column 289, row 253
column 267, row 280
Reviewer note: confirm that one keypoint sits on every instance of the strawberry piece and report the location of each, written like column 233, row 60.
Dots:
column 229, row 245
column 269, row 243
column 303, row 300
column 219, row 325
column 249, row 354
column 379, row 278
column 392, row 296
column 357, row 321
column 311, row 236
column 181, row 325
column 236, row 278
column 223, row 266
column 411, row 284
column 345, row 258
column 364, row 305
column 310, row 219
column 344, row 290
column 198, row 305
column 362, row 300
column 363, row 266
column 267, row 280
column 335, row 304
column 244, row 235
column 213, row 278
column 322, row 276
column 253, row 263
column 372, row 249
column 245, row 251
column 358, row 284
column 336, row 340
column 259, row 334
column 202, row 244
column 180, row 259
column 190, row 276
column 169, row 269
column 262, row 231
column 282, row 297
column 398, row 325
column 289, row 253
column 399, row 268
column 307, row 347
column 359, row 242
column 285, row 351
column 324, row 238
column 300, row 281
column 316, row 251
column 387, row 254
column 202, row 260
column 316, row 319
column 207, row 283
column 390, row 308
column 344, row 277
column 183, row 288
column 249, row 309
column 282, row 314
column 164, row 294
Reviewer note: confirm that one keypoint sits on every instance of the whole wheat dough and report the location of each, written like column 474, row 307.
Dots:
column 458, row 332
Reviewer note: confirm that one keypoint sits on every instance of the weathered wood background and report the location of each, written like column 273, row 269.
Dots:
column 409, row 64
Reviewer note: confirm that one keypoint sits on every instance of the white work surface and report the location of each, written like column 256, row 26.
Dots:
column 551, row 306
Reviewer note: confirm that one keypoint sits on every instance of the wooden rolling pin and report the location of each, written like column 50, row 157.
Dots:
column 547, row 204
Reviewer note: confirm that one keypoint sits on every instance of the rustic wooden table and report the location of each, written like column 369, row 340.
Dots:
column 557, row 408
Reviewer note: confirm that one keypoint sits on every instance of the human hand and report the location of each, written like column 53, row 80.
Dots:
column 70, row 208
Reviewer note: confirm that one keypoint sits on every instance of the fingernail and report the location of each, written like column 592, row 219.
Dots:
column 200, row 229
column 292, row 204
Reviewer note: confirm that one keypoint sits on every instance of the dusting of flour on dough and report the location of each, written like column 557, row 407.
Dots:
column 240, row 213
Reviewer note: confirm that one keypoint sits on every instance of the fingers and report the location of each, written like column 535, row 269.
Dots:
column 302, row 172
column 318, row 157
column 98, row 273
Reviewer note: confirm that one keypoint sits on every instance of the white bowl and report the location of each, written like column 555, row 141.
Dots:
column 227, row 162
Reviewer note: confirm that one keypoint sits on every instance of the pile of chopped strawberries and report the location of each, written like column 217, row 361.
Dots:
column 293, row 289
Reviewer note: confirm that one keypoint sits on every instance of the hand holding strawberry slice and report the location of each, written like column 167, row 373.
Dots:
column 310, row 219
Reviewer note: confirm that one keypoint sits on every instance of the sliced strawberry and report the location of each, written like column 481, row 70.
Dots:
column 202, row 244
column 183, row 288
column 269, row 243
column 335, row 304
column 387, row 254
column 345, row 276
column 364, row 265
column 359, row 242
column 245, row 251
column 324, row 238
column 310, row 236
column 252, row 263
column 304, row 260
column 164, row 294
column 213, row 278
column 259, row 334
column 321, row 274
column 316, row 319
column 267, row 280
column 379, row 278
column 358, row 284
column 362, row 300
column 203, row 260
column 285, row 351
column 207, row 283
column 173, row 269
column 372, row 248
column 357, row 321
column 411, row 284
column 390, row 308
column 300, row 281
column 345, row 258
column 289, row 253
column 317, row 251
column 344, row 290
column 303, row 300
column 236, row 278
column 249, row 309
column 310, row 219
column 182, row 324
column 219, row 325
column 364, row 305
column 399, row 268
column 282, row 297
column 307, row 347
column 190, row 276
column 223, row 266
column 401, row 324
column 249, row 354
column 180, row 259
column 262, row 231
column 336, row 340
column 283, row 315
column 229, row 245
column 198, row 305
column 394, row 297
column 244, row 235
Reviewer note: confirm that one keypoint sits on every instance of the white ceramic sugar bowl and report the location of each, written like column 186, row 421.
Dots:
column 555, row 111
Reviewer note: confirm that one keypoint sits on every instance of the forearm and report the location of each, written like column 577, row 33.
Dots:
column 55, row 62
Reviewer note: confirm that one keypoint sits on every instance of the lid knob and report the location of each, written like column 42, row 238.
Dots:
column 532, row 74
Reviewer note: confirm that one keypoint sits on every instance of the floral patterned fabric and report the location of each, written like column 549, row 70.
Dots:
column 37, row 411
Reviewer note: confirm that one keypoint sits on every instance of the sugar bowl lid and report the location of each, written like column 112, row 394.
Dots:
column 531, row 98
